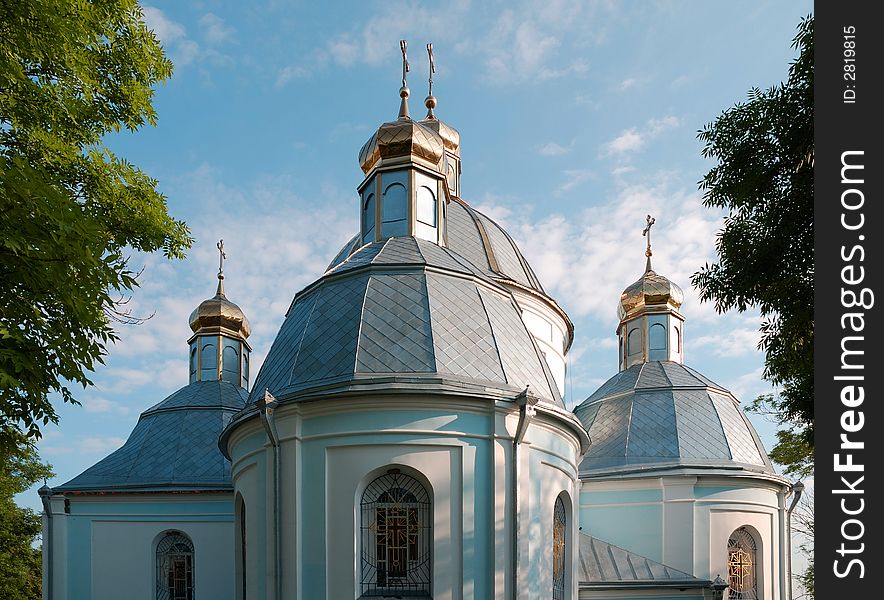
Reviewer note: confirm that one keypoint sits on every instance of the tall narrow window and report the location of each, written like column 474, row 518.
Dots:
column 560, row 523
column 425, row 225
column 175, row 567
column 368, row 219
column 395, row 537
column 242, row 547
column 634, row 342
column 193, row 363
column 742, row 561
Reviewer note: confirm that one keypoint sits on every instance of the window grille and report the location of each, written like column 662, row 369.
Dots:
column 396, row 536
column 560, row 521
column 175, row 567
column 741, row 565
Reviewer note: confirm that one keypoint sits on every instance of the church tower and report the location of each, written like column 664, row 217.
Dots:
column 218, row 348
column 711, row 501
column 405, row 164
column 651, row 327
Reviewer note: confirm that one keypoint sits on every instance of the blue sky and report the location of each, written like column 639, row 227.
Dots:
column 576, row 120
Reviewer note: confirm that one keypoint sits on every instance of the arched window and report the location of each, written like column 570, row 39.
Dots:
column 230, row 361
column 742, row 562
column 208, row 360
column 394, row 211
column 368, row 219
column 634, row 342
column 560, row 524
column 657, row 342
column 175, row 567
column 396, row 535
column 675, row 340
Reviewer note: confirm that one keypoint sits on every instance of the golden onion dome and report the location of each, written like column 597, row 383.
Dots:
column 402, row 139
column 220, row 313
column 651, row 289
column 450, row 136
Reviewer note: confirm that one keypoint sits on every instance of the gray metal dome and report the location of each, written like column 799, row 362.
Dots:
column 480, row 240
column 173, row 446
column 404, row 314
column 662, row 415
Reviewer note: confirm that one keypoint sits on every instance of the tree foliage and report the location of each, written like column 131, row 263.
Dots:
column 20, row 562
column 71, row 72
column 764, row 178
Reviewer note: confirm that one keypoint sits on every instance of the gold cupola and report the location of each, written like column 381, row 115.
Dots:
column 651, row 327
column 218, row 347
column 404, row 190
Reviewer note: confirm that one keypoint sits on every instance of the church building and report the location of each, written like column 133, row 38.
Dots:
column 406, row 435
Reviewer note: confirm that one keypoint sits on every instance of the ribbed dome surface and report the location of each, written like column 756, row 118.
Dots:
column 173, row 446
column 475, row 237
column 218, row 311
column 403, row 138
column 660, row 415
column 650, row 289
column 405, row 311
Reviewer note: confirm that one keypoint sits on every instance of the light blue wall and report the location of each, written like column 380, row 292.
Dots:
column 84, row 512
column 637, row 528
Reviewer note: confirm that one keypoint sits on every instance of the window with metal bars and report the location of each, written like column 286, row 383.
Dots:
column 395, row 537
column 742, row 561
column 175, row 567
column 560, row 522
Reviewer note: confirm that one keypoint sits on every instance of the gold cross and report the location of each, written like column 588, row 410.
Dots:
column 432, row 65
column 647, row 233
column 403, row 46
column 220, row 246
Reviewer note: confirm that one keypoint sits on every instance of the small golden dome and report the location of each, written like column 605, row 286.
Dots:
column 450, row 136
column 219, row 312
column 650, row 290
column 402, row 139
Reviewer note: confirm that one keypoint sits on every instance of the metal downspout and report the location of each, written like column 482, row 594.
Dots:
column 45, row 493
column 267, row 404
column 797, row 489
column 526, row 404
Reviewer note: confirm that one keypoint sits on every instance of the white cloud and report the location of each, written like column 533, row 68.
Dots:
column 554, row 149
column 526, row 42
column 586, row 261
column 731, row 343
column 99, row 445
column 167, row 30
column 633, row 139
column 627, row 84
column 173, row 36
column 289, row 73
column 215, row 30
column 97, row 404
column 573, row 178
column 627, row 141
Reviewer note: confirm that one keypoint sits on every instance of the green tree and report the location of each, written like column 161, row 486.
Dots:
column 71, row 72
column 764, row 178
column 20, row 562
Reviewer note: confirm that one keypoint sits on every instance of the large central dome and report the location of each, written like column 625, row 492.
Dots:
column 406, row 313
